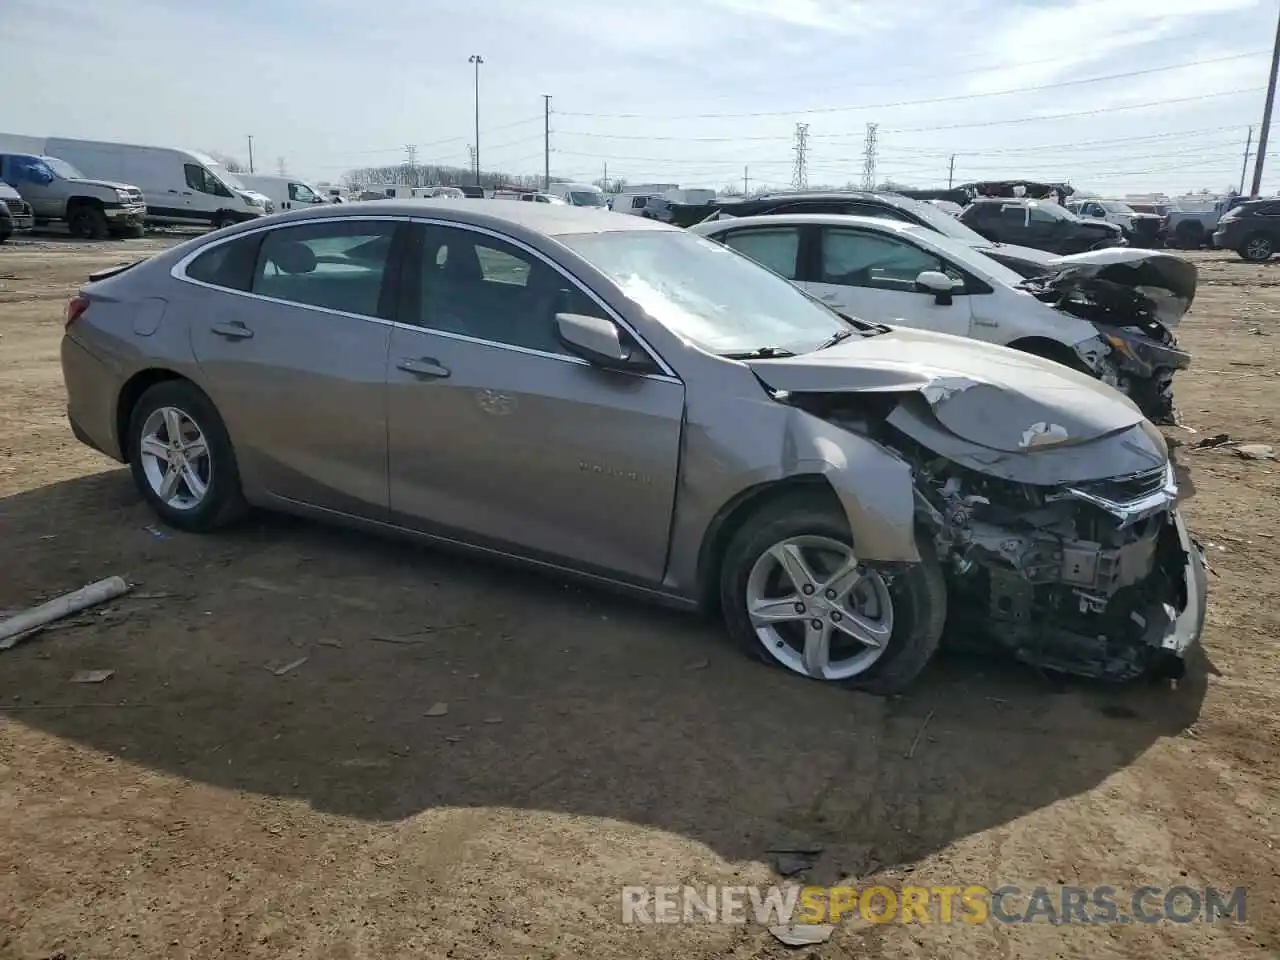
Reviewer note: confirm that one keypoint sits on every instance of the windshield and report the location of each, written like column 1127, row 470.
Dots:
column 226, row 176
column 1115, row 206
column 947, row 225
column 62, row 169
column 586, row 198
column 706, row 293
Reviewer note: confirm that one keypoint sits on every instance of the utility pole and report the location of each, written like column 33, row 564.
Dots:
column 604, row 180
column 546, row 141
column 477, row 60
column 951, row 172
column 800, row 172
column 746, row 181
column 280, row 165
column 869, row 157
column 1244, row 164
column 1260, row 159
column 251, row 153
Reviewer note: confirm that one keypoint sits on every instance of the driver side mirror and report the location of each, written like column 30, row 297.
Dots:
column 939, row 284
column 598, row 341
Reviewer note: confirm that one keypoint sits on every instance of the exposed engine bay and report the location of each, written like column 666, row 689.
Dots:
column 1135, row 298
column 1095, row 577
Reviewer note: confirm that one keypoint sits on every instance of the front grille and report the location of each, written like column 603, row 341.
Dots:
column 1126, row 489
column 16, row 205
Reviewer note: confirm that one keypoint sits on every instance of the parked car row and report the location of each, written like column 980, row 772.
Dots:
column 640, row 405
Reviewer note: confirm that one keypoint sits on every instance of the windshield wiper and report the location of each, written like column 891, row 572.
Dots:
column 838, row 337
column 760, row 353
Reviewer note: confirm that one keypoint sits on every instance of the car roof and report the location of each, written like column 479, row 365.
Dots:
column 822, row 219
column 544, row 218
column 890, row 198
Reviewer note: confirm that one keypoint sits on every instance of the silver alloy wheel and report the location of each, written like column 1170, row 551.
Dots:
column 817, row 610
column 175, row 458
column 1259, row 248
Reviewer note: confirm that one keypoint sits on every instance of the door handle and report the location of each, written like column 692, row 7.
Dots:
column 423, row 367
column 232, row 331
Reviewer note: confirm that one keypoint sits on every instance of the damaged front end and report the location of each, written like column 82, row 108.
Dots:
column 1053, row 512
column 1135, row 299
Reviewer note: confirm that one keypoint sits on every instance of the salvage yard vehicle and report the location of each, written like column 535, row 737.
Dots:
column 1108, row 313
column 1025, row 260
column 1140, row 229
column 1040, row 224
column 58, row 192
column 1190, row 225
column 1251, row 229
column 15, row 213
column 631, row 403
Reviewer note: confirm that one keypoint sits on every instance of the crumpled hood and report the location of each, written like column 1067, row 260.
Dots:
column 996, row 397
column 1165, row 281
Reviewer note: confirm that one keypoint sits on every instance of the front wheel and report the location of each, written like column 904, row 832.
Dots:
column 1257, row 248
column 182, row 460
column 795, row 594
column 88, row 223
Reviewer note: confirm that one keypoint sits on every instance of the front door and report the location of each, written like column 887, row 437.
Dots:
column 872, row 275
column 296, row 365
column 499, row 435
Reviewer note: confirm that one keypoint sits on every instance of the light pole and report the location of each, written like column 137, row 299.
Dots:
column 477, row 60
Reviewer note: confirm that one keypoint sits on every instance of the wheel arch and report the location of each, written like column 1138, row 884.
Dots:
column 1049, row 349
column 132, row 392
column 737, row 511
column 81, row 200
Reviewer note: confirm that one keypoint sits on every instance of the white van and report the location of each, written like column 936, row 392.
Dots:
column 179, row 186
column 632, row 201
column 287, row 193
column 579, row 194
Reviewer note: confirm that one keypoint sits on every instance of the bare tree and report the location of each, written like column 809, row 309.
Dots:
column 428, row 174
column 231, row 163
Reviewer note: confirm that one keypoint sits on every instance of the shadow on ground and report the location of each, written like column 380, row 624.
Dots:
column 559, row 698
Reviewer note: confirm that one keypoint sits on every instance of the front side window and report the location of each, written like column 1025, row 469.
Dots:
column 202, row 181
column 857, row 259
column 337, row 265
column 478, row 286
column 706, row 294
column 776, row 249
column 301, row 193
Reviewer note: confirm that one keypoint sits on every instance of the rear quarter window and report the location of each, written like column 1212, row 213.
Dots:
column 229, row 265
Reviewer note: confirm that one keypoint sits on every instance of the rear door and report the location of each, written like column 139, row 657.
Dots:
column 872, row 275
column 290, row 328
column 779, row 248
column 499, row 435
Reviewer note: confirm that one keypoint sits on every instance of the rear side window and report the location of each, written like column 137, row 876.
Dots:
column 228, row 265
column 334, row 265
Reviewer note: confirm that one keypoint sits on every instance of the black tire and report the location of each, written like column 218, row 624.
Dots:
column 223, row 502
column 1257, row 248
column 1188, row 236
column 88, row 223
column 918, row 591
column 5, row 235
column 220, row 220
column 1056, row 352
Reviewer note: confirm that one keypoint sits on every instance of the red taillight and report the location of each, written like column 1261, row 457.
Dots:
column 76, row 309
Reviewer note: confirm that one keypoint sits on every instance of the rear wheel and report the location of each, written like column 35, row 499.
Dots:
column 1188, row 236
column 182, row 460
column 795, row 594
column 88, row 223
column 1257, row 248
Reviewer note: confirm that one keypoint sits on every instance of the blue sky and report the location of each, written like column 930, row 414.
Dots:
column 688, row 91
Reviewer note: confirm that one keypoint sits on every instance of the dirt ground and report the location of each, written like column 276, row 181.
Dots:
column 197, row 804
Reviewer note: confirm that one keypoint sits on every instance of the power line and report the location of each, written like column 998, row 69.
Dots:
column 955, row 98
column 1078, row 113
column 1079, row 144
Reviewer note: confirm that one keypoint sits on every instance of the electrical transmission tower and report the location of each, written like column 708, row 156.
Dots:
column 800, row 173
column 411, row 164
column 869, row 158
